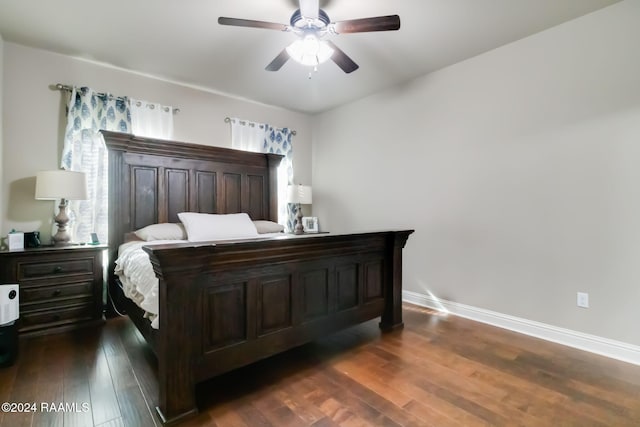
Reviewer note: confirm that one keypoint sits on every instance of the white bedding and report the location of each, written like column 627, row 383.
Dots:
column 139, row 282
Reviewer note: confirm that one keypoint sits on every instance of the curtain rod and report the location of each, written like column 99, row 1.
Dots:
column 242, row 122
column 68, row 88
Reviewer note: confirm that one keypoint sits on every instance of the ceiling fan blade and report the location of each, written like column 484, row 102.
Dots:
column 278, row 61
column 309, row 8
column 236, row 22
column 342, row 60
column 379, row 23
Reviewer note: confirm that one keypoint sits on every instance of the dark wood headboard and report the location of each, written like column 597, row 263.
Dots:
column 152, row 180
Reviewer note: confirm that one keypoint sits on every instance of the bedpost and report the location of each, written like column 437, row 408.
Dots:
column 392, row 314
column 118, row 219
column 176, row 399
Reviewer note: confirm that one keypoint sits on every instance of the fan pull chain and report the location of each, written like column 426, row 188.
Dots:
column 315, row 70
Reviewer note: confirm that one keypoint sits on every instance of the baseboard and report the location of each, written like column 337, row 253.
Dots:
column 594, row 344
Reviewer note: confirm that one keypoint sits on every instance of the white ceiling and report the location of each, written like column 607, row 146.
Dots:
column 181, row 40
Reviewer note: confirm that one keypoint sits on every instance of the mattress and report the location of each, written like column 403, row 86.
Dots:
column 139, row 282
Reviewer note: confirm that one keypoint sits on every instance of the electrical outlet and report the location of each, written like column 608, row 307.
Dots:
column 583, row 299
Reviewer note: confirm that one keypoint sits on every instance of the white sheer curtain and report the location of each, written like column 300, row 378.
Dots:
column 247, row 136
column 151, row 119
column 263, row 138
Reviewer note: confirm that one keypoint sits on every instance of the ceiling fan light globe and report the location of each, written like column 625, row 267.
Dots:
column 310, row 51
column 324, row 52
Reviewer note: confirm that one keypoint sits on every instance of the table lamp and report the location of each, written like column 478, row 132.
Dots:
column 64, row 185
column 301, row 195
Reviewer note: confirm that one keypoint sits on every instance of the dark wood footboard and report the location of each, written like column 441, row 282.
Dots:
column 226, row 305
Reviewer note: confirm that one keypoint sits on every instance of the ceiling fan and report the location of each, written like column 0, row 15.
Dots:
column 313, row 28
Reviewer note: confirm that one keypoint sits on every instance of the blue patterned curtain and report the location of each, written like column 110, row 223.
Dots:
column 85, row 151
column 278, row 141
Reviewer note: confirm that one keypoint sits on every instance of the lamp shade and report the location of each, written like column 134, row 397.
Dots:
column 61, row 184
column 299, row 194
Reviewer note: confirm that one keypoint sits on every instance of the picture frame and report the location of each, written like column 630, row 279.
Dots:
column 310, row 224
column 94, row 239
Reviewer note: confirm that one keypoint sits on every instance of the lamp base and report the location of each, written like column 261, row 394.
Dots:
column 299, row 228
column 62, row 237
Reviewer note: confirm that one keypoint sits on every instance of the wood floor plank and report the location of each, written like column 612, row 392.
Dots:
column 381, row 404
column 339, row 413
column 104, row 401
column 439, row 379
column 276, row 411
column 293, row 400
column 425, row 399
column 116, row 422
column 434, row 417
column 133, row 406
column 226, row 416
column 436, row 358
column 368, row 375
column 322, row 397
column 8, row 376
column 50, row 383
column 532, row 374
column 537, row 376
column 76, row 394
column 29, row 369
column 428, row 397
column 142, row 360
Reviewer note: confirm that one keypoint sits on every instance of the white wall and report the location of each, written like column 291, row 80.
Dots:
column 519, row 170
column 34, row 117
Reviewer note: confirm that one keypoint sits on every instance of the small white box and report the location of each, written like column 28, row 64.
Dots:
column 16, row 240
column 9, row 303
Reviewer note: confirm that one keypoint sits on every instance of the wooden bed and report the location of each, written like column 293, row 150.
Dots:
column 226, row 305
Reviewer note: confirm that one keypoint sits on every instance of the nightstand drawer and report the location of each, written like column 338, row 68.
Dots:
column 63, row 267
column 48, row 318
column 46, row 293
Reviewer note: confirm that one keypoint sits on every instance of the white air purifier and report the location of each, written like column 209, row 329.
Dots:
column 9, row 304
column 9, row 313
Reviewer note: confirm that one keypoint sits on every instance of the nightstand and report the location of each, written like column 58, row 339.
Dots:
column 61, row 288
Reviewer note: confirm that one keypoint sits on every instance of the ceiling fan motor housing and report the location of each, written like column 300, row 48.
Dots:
column 321, row 22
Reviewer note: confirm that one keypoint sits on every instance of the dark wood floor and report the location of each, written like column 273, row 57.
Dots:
column 437, row 371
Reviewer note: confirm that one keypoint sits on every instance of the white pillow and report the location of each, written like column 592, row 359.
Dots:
column 165, row 231
column 204, row 227
column 268, row 227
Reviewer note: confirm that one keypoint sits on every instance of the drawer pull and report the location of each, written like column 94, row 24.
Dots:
column 57, row 292
column 58, row 269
